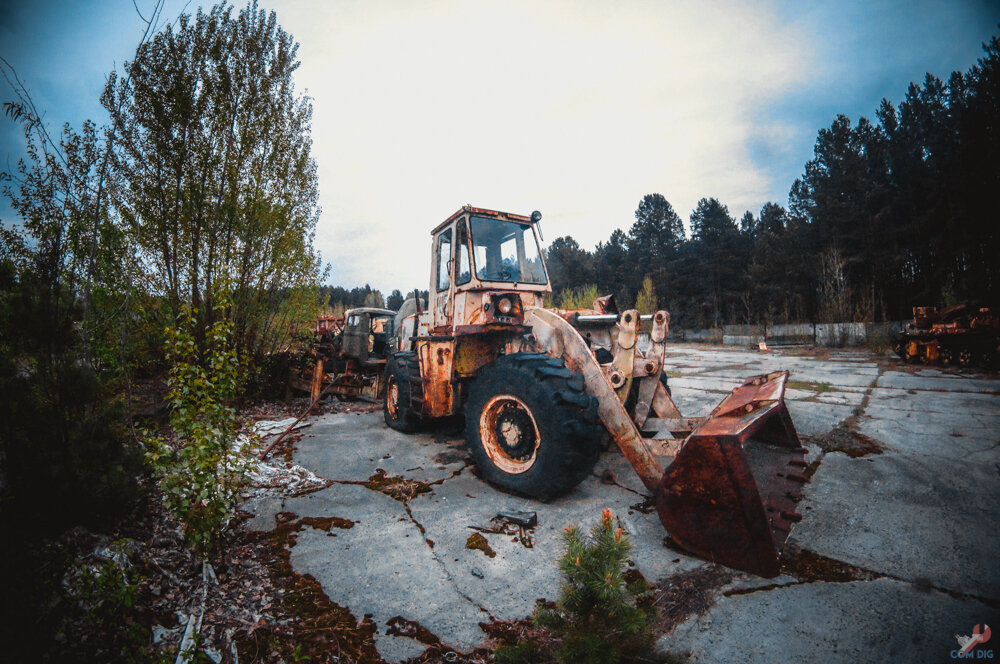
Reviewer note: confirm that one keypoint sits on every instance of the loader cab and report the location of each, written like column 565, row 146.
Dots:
column 487, row 267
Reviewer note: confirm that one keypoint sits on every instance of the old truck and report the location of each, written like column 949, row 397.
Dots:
column 348, row 354
column 542, row 389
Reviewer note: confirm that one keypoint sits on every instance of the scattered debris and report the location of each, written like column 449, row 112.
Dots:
column 291, row 479
column 524, row 519
column 646, row 506
column 265, row 428
column 520, row 524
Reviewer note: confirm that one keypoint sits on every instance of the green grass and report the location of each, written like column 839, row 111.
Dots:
column 809, row 385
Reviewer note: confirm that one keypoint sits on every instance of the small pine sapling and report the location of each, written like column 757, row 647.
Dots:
column 601, row 616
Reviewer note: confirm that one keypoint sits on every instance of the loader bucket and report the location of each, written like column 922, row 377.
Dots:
column 730, row 494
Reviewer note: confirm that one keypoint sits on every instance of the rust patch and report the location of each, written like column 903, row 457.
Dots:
column 851, row 443
column 688, row 594
column 477, row 541
column 397, row 488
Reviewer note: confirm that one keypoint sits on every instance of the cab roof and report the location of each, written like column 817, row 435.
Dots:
column 370, row 310
column 483, row 212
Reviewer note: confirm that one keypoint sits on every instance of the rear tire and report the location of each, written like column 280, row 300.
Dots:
column 530, row 426
column 402, row 381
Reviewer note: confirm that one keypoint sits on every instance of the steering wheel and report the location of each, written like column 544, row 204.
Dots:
column 504, row 274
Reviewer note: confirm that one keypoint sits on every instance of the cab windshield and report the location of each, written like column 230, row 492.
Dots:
column 506, row 251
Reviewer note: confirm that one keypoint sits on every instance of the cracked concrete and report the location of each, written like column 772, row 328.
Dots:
column 921, row 515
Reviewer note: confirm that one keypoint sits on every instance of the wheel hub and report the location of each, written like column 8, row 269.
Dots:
column 515, row 432
column 509, row 433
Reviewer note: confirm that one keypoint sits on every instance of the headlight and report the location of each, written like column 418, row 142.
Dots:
column 504, row 306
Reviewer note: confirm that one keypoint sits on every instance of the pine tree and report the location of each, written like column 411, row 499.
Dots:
column 601, row 617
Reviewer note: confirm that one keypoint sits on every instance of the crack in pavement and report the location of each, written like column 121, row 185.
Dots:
column 444, row 568
column 423, row 531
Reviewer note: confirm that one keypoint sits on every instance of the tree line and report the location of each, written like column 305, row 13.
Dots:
column 887, row 215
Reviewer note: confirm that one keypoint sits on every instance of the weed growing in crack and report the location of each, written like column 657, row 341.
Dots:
column 604, row 614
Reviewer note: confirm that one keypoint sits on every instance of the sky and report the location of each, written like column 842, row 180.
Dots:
column 576, row 109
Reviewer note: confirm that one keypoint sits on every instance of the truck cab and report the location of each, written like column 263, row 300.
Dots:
column 368, row 334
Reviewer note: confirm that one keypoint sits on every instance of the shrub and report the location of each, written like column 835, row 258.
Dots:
column 202, row 475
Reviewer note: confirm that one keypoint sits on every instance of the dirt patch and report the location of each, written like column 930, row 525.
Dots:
column 688, row 594
column 477, row 542
column 303, row 625
column 400, row 626
column 851, row 443
column 397, row 488
column 808, row 567
column 325, row 523
column 452, row 456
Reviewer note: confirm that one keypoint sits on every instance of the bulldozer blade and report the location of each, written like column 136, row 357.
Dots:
column 730, row 494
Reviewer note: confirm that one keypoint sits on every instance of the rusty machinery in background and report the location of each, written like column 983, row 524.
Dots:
column 964, row 335
column 542, row 390
column 349, row 354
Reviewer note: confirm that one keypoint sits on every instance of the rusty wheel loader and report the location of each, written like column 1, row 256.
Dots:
column 540, row 387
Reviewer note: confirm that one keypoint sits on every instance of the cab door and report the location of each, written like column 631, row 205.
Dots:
column 442, row 283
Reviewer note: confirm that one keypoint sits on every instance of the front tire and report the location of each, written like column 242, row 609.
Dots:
column 530, row 426
column 402, row 381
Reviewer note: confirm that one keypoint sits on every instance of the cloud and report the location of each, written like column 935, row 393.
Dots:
column 576, row 109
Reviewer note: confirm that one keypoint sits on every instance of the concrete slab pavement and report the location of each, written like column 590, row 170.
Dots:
column 921, row 516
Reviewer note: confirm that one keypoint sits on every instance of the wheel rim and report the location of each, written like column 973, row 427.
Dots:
column 509, row 434
column 392, row 399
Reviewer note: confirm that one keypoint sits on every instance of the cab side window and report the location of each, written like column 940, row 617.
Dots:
column 444, row 256
column 464, row 273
